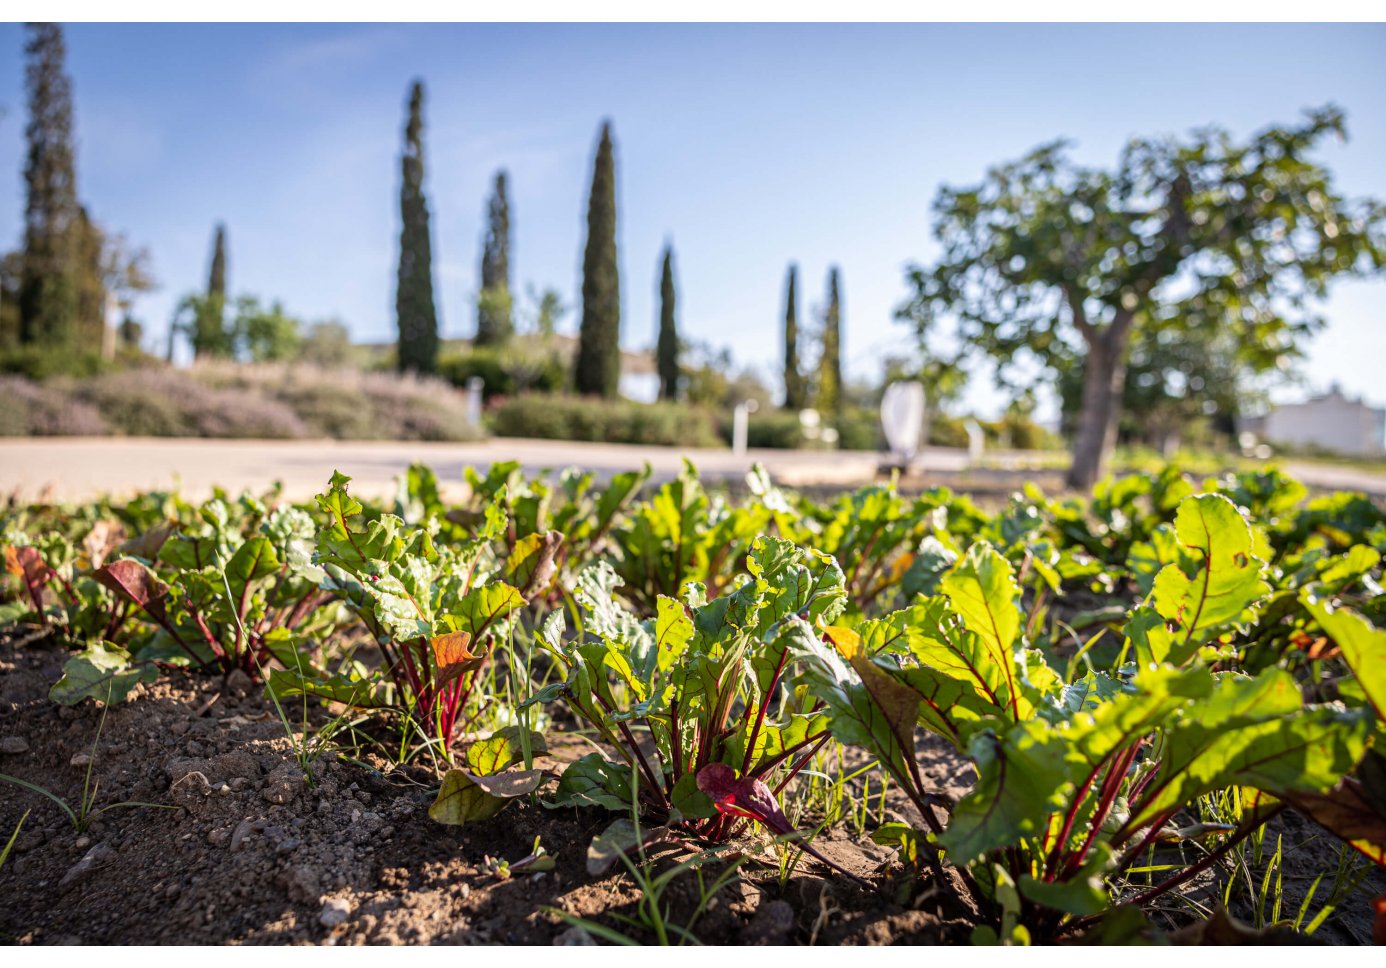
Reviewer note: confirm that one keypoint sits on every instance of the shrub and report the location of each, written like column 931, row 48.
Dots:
column 349, row 404
column 506, row 371
column 608, row 421
column 29, row 409
column 41, row 363
column 160, row 402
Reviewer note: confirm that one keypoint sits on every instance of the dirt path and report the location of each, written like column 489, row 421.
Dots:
column 83, row 468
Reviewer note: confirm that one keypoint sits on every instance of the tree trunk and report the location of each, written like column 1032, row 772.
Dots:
column 1104, row 379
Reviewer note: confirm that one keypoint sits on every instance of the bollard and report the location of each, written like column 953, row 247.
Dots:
column 475, row 384
column 976, row 440
column 740, row 425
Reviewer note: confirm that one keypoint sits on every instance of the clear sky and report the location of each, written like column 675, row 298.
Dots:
column 748, row 146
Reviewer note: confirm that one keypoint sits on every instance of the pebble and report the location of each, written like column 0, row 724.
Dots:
column 14, row 745
column 335, row 911
column 574, row 936
column 243, row 830
column 772, row 924
column 81, row 760
column 79, row 870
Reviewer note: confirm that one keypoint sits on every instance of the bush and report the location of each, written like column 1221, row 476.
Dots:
column 946, row 431
column 349, row 404
column 860, row 429
column 161, row 402
column 606, row 421
column 41, row 363
column 775, row 430
column 506, row 371
column 28, row 409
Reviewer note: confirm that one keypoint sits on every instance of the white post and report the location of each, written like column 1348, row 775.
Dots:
column 976, row 440
column 474, row 387
column 741, row 414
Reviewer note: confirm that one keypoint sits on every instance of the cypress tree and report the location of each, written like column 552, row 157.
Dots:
column 667, row 346
column 494, row 320
column 794, row 396
column 598, row 367
column 830, row 366
column 90, row 248
column 414, row 310
column 216, row 278
column 210, row 338
column 49, row 287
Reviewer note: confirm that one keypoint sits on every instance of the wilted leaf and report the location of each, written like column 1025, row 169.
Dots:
column 531, row 566
column 465, row 797
column 102, row 672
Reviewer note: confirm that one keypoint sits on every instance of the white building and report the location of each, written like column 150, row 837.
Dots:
column 1330, row 422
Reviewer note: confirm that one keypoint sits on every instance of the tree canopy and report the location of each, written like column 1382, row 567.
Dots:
column 1067, row 264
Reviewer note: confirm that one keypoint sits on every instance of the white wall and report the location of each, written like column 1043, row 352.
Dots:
column 1331, row 422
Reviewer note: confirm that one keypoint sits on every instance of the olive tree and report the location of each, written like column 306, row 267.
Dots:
column 1069, row 264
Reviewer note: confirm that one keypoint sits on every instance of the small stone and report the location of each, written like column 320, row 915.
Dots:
column 243, row 830
column 81, row 760
column 92, row 858
column 772, row 924
column 573, row 937
column 302, row 884
column 335, row 911
column 283, row 784
column 238, row 683
column 82, row 842
column 14, row 745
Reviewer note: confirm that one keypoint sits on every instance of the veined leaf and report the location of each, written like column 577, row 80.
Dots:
column 502, row 749
column 594, row 781
column 982, row 589
column 531, row 565
column 483, row 606
column 1226, row 580
column 466, row 797
column 1363, row 647
column 1253, row 732
column 102, row 672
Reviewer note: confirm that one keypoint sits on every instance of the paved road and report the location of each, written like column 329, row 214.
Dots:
column 81, row 468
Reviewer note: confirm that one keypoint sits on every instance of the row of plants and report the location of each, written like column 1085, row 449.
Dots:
column 1141, row 680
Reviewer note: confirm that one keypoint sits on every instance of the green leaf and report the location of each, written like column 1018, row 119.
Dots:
column 1257, row 733
column 689, row 801
column 349, row 690
column 673, row 631
column 503, row 748
column 1225, row 581
column 1082, row 894
column 608, row 846
column 482, row 607
column 1363, row 647
column 252, row 561
column 530, row 566
column 465, row 797
column 102, row 672
column 592, row 781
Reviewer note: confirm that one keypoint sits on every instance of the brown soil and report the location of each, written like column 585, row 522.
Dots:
column 249, row 852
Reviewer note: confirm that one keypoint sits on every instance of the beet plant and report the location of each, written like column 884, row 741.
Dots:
column 698, row 706
column 1079, row 779
column 434, row 611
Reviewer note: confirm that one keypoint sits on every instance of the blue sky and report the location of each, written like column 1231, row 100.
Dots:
column 748, row 146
